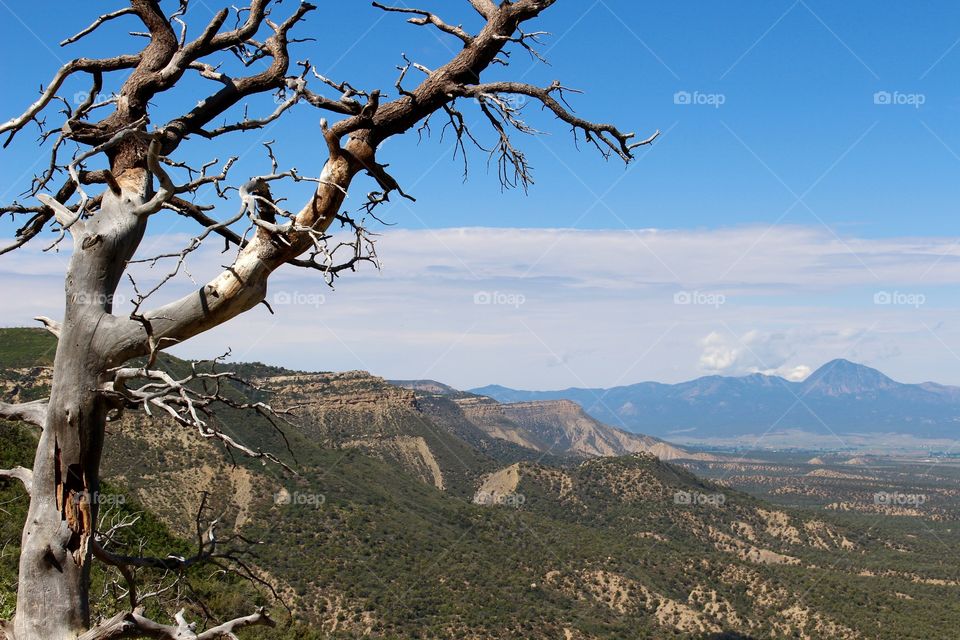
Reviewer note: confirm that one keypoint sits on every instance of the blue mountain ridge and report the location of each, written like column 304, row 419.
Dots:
column 839, row 397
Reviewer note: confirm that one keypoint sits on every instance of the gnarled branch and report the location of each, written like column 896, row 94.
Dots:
column 96, row 23
column 22, row 474
column 34, row 412
column 191, row 401
column 135, row 625
column 80, row 64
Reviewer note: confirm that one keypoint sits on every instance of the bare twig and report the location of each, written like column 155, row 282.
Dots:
column 425, row 17
column 191, row 401
column 96, row 23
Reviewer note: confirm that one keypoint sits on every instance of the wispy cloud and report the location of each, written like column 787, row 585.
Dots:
column 557, row 307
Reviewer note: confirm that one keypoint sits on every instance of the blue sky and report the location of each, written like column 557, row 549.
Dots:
column 797, row 78
column 793, row 132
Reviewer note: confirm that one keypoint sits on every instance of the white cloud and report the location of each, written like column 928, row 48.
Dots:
column 796, row 374
column 577, row 307
column 719, row 355
column 754, row 352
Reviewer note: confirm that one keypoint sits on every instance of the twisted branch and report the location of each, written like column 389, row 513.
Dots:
column 425, row 17
column 22, row 474
column 34, row 412
column 191, row 401
column 135, row 625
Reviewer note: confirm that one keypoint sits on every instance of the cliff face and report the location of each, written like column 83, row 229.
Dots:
column 448, row 444
column 561, row 427
column 491, row 418
column 356, row 410
column 566, row 425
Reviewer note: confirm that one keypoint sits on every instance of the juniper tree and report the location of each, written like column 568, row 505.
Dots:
column 125, row 173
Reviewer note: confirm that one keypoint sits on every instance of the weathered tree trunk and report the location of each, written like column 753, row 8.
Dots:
column 52, row 601
column 52, row 595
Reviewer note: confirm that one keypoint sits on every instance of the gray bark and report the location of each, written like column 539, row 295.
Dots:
column 52, row 598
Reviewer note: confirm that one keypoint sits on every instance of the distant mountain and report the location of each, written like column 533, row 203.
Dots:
column 416, row 514
column 839, row 397
column 843, row 378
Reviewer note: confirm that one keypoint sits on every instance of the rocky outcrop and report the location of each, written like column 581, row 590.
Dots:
column 561, row 427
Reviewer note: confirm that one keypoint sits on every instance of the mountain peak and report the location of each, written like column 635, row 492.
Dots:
column 843, row 363
column 842, row 377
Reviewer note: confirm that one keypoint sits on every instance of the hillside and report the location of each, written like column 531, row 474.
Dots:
column 552, row 427
column 840, row 397
column 561, row 427
column 408, row 520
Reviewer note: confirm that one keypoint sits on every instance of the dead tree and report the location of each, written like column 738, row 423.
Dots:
column 106, row 212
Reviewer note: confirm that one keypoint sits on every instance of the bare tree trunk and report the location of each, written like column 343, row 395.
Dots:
column 52, row 601
column 52, row 595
